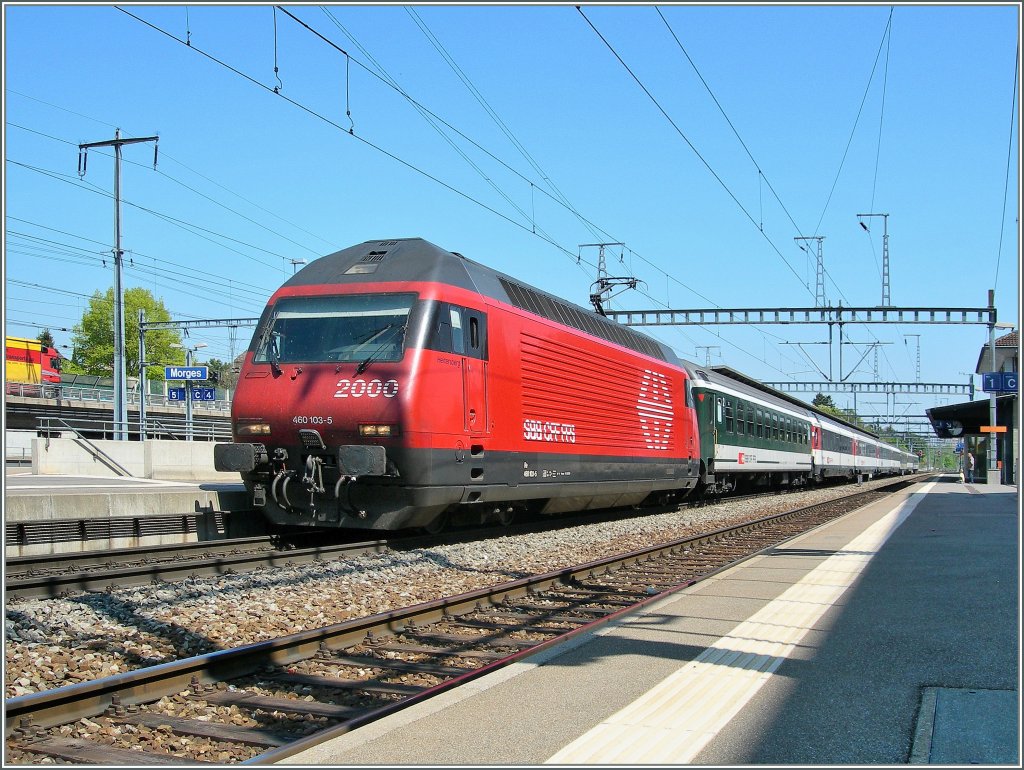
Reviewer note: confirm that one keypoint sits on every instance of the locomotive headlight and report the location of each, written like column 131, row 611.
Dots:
column 378, row 430
column 253, row 429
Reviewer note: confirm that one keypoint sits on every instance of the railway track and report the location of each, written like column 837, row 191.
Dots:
column 268, row 701
column 33, row 577
column 47, row 577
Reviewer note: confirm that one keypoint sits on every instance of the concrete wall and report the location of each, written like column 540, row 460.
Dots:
column 18, row 445
column 166, row 460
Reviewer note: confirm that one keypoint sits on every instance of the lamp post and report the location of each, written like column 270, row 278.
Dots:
column 188, row 387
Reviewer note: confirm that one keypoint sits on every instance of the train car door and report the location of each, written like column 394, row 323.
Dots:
column 469, row 336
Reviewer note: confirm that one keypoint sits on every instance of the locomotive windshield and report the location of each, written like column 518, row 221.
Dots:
column 354, row 327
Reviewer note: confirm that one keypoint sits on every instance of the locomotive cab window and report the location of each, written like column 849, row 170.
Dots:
column 454, row 329
column 458, row 337
column 328, row 329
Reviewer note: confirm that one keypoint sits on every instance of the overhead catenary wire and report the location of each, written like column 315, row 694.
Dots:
column 856, row 122
column 495, row 118
column 1009, row 153
column 471, row 87
column 165, row 157
column 182, row 184
column 160, row 215
column 690, row 144
column 411, row 166
column 175, row 264
column 382, row 75
column 199, row 285
column 761, row 175
column 387, row 153
column 885, row 38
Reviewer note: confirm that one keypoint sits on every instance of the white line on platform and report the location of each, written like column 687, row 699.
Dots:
column 674, row 720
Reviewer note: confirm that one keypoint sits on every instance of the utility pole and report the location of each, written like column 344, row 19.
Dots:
column 917, row 371
column 707, row 355
column 993, row 475
column 819, row 281
column 120, row 377
column 886, row 300
column 143, row 387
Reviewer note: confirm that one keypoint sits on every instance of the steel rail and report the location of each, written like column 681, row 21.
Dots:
column 167, row 563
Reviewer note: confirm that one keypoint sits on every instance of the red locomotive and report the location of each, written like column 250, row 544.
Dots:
column 395, row 384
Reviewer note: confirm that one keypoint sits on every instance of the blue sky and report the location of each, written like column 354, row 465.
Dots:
column 834, row 111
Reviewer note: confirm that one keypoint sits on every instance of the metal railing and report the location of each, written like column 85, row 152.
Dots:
column 173, row 428
column 103, row 396
column 86, row 444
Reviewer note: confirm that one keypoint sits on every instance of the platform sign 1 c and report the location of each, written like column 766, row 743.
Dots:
column 999, row 382
column 192, row 373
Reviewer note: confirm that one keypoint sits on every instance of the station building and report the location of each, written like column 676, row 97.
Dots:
column 970, row 421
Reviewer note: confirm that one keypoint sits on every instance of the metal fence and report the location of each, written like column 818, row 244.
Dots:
column 158, row 427
column 101, row 395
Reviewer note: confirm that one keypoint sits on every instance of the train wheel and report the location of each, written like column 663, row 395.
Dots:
column 438, row 525
column 506, row 517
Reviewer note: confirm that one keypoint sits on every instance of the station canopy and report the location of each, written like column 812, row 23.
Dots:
column 967, row 419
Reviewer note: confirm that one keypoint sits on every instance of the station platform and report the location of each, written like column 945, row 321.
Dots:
column 30, row 496
column 42, row 513
column 889, row 636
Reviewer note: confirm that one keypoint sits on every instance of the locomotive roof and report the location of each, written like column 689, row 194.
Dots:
column 415, row 259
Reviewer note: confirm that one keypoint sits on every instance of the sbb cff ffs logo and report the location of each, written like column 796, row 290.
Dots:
column 539, row 430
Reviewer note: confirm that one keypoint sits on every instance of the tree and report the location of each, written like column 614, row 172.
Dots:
column 93, row 337
column 222, row 374
column 823, row 401
column 45, row 338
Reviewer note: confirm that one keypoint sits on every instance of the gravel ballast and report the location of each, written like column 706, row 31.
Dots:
column 50, row 643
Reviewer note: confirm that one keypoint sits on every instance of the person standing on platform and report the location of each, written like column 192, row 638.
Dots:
column 969, row 467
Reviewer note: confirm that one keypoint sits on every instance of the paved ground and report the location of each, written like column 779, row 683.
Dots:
column 819, row 652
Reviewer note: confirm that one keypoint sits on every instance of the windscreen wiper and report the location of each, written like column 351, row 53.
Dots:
column 274, row 354
column 268, row 340
column 366, row 361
